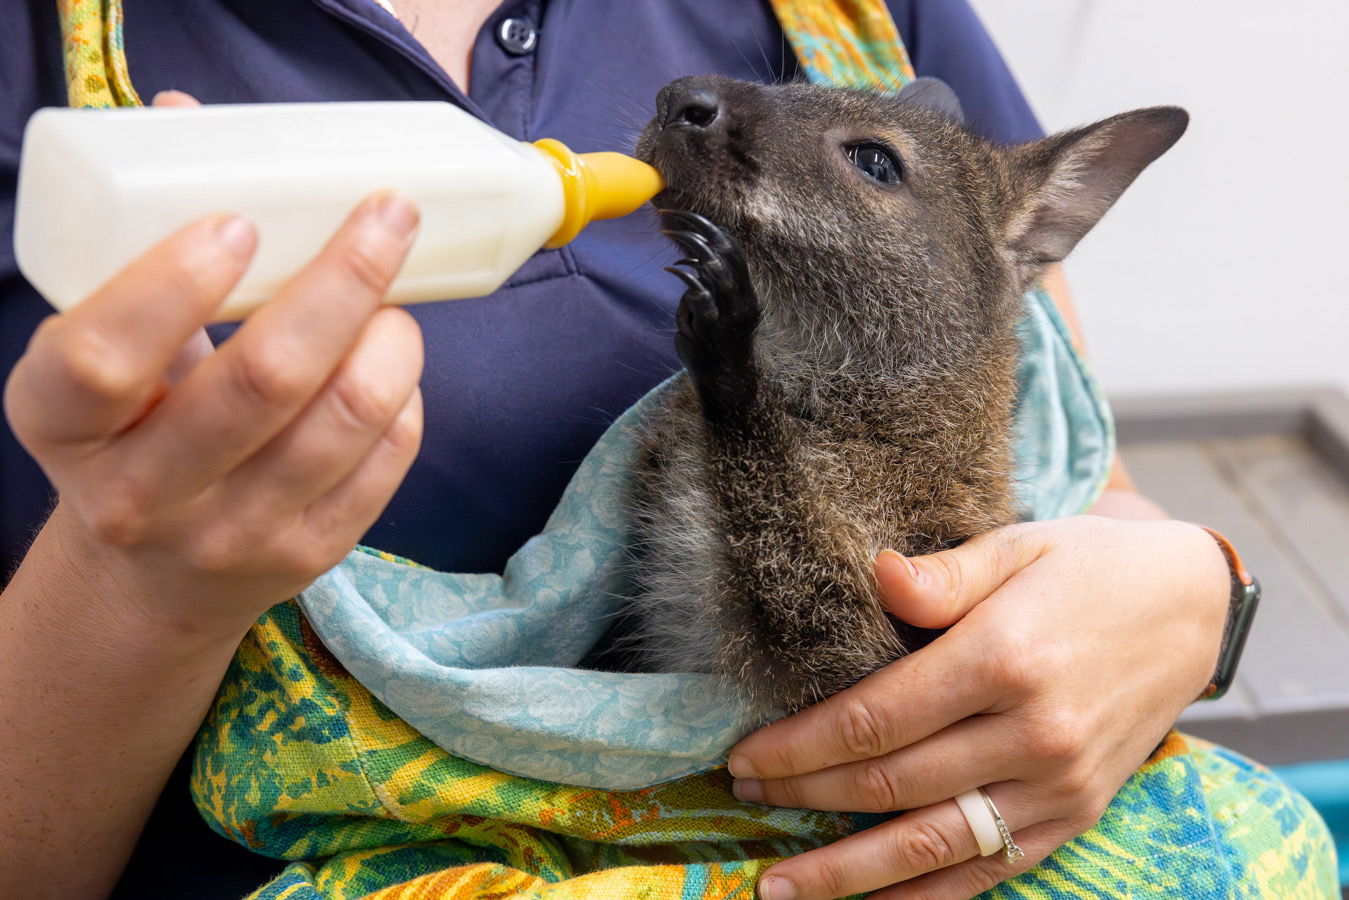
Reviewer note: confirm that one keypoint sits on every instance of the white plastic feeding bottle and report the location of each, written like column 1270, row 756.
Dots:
column 98, row 187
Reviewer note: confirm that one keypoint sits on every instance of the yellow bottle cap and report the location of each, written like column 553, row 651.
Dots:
column 597, row 186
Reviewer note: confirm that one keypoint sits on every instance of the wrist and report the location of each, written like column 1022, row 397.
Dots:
column 99, row 695
column 110, row 596
column 1243, row 598
column 1205, row 594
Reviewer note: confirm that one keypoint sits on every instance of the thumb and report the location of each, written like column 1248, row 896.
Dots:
column 937, row 590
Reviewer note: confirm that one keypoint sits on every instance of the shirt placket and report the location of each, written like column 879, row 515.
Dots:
column 504, row 66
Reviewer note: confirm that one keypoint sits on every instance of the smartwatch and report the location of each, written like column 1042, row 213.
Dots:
column 1242, row 603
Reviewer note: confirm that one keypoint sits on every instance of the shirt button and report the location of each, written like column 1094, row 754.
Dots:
column 517, row 35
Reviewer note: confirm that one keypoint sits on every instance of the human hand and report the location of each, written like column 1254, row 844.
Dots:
column 1074, row 644
column 207, row 486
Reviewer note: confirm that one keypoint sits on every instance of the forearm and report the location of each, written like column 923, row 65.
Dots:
column 97, row 702
column 1121, row 499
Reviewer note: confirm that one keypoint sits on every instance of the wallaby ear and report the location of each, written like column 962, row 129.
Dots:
column 1074, row 177
column 935, row 95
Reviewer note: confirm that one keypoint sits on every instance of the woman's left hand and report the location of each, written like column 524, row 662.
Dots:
column 1074, row 644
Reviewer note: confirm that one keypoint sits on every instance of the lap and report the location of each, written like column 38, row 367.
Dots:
column 297, row 761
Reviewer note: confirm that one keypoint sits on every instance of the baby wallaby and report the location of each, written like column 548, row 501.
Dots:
column 848, row 335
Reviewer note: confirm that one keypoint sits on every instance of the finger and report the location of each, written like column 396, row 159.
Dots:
column 920, row 841
column 908, row 700
column 936, row 590
column 174, row 98
column 968, row 754
column 303, row 543
column 356, row 502
column 90, row 372
column 340, row 426
column 233, row 403
column 971, row 878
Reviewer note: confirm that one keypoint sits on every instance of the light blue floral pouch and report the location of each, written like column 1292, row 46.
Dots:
column 483, row 665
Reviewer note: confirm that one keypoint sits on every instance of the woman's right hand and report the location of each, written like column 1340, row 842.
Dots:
column 207, row 486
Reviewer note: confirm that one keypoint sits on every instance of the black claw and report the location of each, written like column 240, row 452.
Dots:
column 689, row 220
column 688, row 278
column 677, row 220
column 717, row 315
column 694, row 243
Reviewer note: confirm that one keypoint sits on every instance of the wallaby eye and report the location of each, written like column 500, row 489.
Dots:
column 876, row 161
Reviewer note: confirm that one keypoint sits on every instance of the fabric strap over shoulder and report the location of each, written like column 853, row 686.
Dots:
column 96, row 68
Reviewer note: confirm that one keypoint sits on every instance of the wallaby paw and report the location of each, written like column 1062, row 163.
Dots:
column 717, row 314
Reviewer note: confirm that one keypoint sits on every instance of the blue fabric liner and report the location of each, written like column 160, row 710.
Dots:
column 483, row 665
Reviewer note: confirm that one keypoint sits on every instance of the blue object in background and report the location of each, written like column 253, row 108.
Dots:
column 1326, row 785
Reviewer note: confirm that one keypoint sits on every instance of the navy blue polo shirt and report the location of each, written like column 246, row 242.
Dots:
column 518, row 385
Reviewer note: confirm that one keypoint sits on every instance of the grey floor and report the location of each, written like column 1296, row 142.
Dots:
column 1283, row 500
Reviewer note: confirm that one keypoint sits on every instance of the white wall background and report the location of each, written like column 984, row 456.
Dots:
column 1226, row 265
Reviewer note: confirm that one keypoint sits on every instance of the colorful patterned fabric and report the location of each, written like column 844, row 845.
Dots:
column 91, row 37
column 850, row 43
column 298, row 760
column 1325, row 784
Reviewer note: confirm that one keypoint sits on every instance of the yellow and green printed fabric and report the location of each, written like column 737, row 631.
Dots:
column 91, row 42
column 298, row 761
column 848, row 43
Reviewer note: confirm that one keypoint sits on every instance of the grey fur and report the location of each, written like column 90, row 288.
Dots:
column 884, row 363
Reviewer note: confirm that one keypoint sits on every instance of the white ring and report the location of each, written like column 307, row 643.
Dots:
column 980, row 819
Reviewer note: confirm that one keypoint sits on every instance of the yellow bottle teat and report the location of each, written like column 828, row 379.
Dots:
column 597, row 186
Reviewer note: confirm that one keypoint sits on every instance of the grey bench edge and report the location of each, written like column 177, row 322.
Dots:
column 1321, row 411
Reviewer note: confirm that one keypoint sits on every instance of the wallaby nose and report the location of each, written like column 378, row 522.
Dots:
column 689, row 101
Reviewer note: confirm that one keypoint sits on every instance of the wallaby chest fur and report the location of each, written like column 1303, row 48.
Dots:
column 849, row 338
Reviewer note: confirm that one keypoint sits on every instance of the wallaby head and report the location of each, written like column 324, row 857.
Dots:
column 878, row 228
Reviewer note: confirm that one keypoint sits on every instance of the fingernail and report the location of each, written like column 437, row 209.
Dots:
column 776, row 887
column 236, row 235
column 750, row 790
column 739, row 767
column 397, row 211
column 908, row 563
